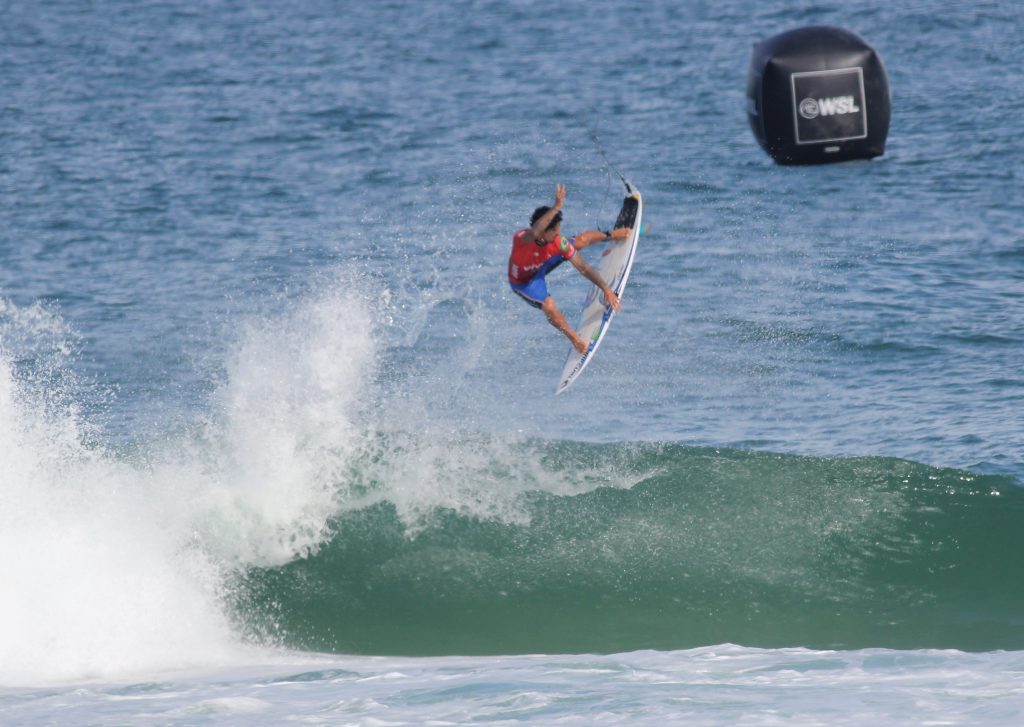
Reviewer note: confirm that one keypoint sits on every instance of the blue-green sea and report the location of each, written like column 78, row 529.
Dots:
column 278, row 444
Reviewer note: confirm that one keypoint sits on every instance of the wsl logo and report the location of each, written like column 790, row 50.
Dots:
column 811, row 108
column 829, row 106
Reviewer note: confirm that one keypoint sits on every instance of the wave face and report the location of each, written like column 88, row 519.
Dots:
column 680, row 547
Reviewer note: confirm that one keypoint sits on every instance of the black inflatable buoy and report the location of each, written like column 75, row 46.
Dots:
column 818, row 94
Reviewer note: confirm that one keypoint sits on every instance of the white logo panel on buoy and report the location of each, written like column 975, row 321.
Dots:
column 828, row 106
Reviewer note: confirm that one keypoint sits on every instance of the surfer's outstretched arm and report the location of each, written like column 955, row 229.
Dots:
column 540, row 226
column 595, row 277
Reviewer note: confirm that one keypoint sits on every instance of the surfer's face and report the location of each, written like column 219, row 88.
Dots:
column 552, row 233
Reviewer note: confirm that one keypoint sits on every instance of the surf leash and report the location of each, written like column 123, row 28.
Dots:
column 600, row 150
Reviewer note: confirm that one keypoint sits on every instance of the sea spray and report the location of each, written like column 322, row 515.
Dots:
column 116, row 564
column 284, row 424
column 94, row 582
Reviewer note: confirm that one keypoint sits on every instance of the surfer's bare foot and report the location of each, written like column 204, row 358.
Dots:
column 579, row 344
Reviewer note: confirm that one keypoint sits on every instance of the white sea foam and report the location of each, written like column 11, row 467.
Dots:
column 283, row 430
column 93, row 581
column 708, row 686
column 113, row 566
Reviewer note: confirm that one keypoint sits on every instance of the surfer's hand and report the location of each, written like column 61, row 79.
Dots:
column 559, row 196
column 612, row 299
column 620, row 233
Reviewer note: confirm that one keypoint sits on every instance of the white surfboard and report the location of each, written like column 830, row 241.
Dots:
column 616, row 262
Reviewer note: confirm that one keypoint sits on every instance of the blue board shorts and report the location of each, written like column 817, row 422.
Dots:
column 535, row 291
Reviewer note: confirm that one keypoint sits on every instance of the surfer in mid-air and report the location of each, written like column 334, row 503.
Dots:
column 541, row 248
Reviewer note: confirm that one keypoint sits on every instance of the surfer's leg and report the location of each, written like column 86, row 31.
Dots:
column 556, row 319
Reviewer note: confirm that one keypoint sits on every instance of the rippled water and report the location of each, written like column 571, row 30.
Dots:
column 252, row 299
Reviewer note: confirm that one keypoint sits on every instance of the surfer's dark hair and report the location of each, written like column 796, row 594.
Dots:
column 540, row 212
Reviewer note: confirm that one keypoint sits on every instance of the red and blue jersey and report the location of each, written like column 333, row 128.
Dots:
column 528, row 259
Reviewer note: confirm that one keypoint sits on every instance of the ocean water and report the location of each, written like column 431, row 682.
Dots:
column 277, row 443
